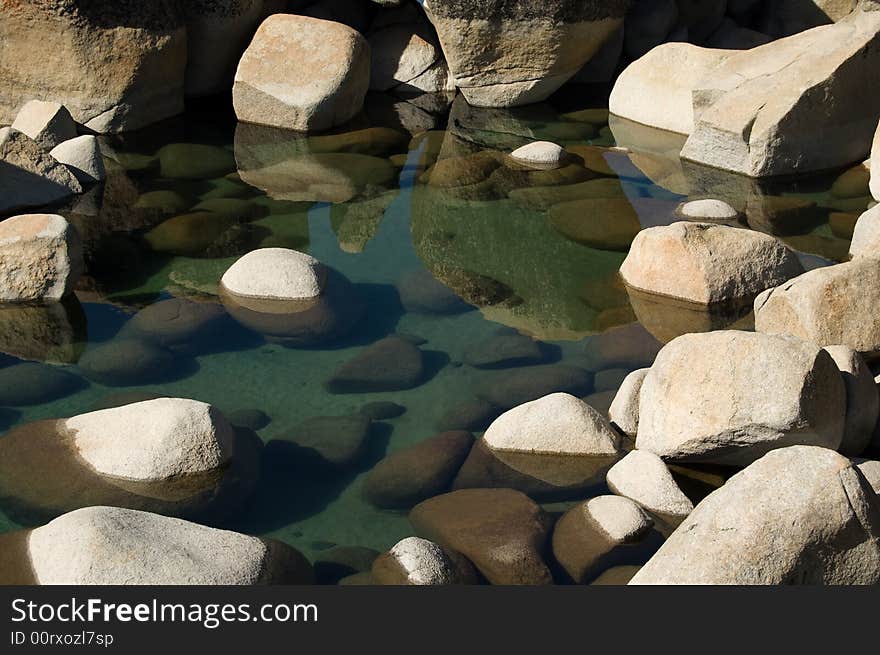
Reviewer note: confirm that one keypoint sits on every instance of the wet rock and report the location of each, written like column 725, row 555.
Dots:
column 504, row 350
column 826, row 306
column 127, row 361
column 540, row 155
column 604, row 223
column 391, row 364
column 284, row 78
column 194, row 161
column 642, row 477
column 707, row 264
column 624, row 410
column 47, row 123
column 114, row 66
column 53, row 333
column 110, row 545
column 415, row 561
column 252, row 419
column 34, row 384
column 598, row 532
column 31, row 177
column 799, row 515
column 501, row 531
column 174, row 322
column 40, row 258
column 729, row 397
column 411, row 475
column 275, row 273
column 165, row 201
column 189, row 234
column 513, row 387
column 626, row 346
column 337, row 440
column 474, row 416
column 82, row 155
column 382, row 410
column 862, row 400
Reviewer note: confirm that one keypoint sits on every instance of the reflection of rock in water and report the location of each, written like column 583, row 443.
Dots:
column 667, row 318
column 301, row 323
column 355, row 223
column 54, row 333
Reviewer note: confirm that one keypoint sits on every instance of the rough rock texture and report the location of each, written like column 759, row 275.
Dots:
column 643, row 477
column 800, row 515
column 501, row 531
column 758, row 113
column 624, row 410
column 82, row 155
column 302, row 73
column 827, row 306
column 504, row 54
column 416, row 561
column 29, row 176
column 870, row 468
column 110, row 545
column 275, row 273
column 115, row 64
column 153, row 440
column 728, row 397
column 47, row 123
column 706, row 263
column 866, row 234
column 40, row 258
column 862, row 400
column 589, row 533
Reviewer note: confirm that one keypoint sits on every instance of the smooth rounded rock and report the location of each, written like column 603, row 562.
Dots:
column 47, row 123
column 624, row 410
column 127, row 361
column 642, row 477
column 707, row 210
column 82, row 155
column 540, row 155
column 275, row 273
column 33, row 384
column 416, row 561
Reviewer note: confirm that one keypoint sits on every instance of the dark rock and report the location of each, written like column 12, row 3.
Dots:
column 626, row 346
column 252, row 419
column 121, row 398
column 419, row 472
column 503, row 351
column 514, row 387
column 126, row 362
column 339, row 562
column 474, row 416
column 32, row 384
column 174, row 322
column 382, row 411
column 392, row 364
column 336, row 440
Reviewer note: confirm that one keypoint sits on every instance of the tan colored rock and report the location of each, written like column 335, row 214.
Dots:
column 862, row 399
column 30, row 176
column 302, row 73
column 874, row 165
column 416, row 561
column 866, row 234
column 40, row 258
column 114, row 65
column 706, row 263
column 540, row 154
column 82, row 155
column 624, row 410
column 643, row 477
column 47, row 123
column 729, row 397
column 870, row 468
column 833, row 305
column 505, row 54
column 275, row 273
column 799, row 515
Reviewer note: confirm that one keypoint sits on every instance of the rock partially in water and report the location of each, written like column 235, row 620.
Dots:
column 415, row 561
column 624, row 410
column 799, row 515
column 55, row 332
column 31, row 177
column 302, row 73
column 729, row 397
column 336, row 440
column 112, row 546
column 47, row 123
column 276, row 274
column 643, row 477
column 392, row 364
column 34, row 384
column 827, row 306
column 862, row 400
column 194, row 161
column 501, row 531
column 411, row 475
column 600, row 532
column 541, row 155
column 82, row 156
column 513, row 387
column 504, row 350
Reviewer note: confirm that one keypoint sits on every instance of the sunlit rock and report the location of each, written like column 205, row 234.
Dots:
column 415, row 561
column 47, row 123
column 30, row 176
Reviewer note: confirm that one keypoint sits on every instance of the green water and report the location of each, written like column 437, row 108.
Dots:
column 369, row 205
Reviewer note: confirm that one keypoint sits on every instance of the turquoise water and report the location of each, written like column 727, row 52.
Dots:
column 369, row 205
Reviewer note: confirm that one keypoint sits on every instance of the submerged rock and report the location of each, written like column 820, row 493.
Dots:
column 40, row 258
column 392, row 364
column 53, row 332
column 501, row 531
column 175, row 322
column 128, row 361
column 474, row 416
column 336, row 440
column 194, row 161
column 34, row 384
column 115, row 546
column 415, row 561
column 729, row 397
column 799, row 515
column 504, row 350
column 302, row 73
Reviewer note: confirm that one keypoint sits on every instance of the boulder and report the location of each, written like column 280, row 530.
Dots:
column 175, row 322
column 598, row 532
column 415, row 561
column 827, row 306
column 30, row 176
column 728, row 397
column 624, row 410
column 866, row 233
column 870, row 469
column 47, row 123
column 128, row 361
column 707, row 264
column 406, row 57
column 533, row 47
column 115, row 546
column 408, row 476
column 755, row 114
column 392, row 364
column 30, row 383
column 541, row 155
column 798, row 515
column 501, row 531
column 40, row 258
column 82, row 155
column 115, row 66
column 862, row 400
column 642, row 477
column 275, row 273
column 302, row 73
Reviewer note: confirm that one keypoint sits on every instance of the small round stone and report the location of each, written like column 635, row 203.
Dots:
column 275, row 273
column 540, row 153
column 708, row 210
